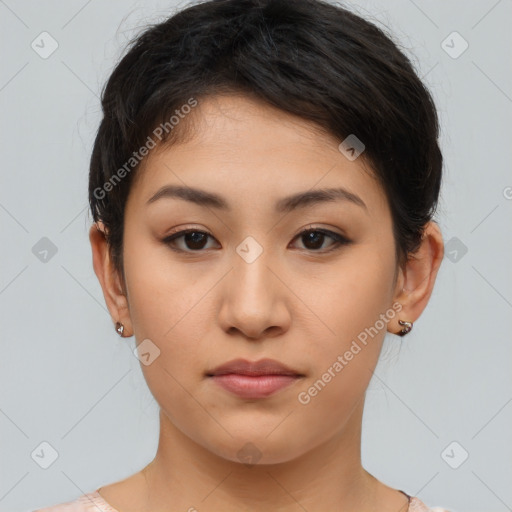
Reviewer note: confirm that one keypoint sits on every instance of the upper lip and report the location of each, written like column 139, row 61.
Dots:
column 261, row 367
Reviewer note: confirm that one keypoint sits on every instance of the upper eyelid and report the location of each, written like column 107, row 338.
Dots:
column 184, row 231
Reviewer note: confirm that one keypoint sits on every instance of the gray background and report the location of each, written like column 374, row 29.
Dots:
column 67, row 378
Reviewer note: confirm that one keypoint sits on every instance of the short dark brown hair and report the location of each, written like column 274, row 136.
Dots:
column 310, row 58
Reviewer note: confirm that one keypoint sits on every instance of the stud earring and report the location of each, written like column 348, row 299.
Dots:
column 119, row 328
column 407, row 327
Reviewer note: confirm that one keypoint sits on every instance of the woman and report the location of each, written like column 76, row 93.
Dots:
column 263, row 185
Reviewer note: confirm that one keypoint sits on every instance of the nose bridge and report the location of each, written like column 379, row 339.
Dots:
column 251, row 274
column 251, row 301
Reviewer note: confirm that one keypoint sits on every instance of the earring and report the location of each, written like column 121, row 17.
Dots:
column 119, row 328
column 407, row 327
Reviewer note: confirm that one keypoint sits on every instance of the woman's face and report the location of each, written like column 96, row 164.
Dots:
column 253, row 287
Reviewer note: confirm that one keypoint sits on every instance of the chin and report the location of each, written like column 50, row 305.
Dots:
column 252, row 450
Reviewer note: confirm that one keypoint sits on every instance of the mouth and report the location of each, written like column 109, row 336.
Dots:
column 258, row 379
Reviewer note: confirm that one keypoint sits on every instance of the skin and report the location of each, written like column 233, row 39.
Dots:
column 297, row 303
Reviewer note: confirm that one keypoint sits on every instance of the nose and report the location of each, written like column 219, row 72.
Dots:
column 255, row 302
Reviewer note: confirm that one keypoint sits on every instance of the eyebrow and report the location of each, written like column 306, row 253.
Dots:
column 286, row 204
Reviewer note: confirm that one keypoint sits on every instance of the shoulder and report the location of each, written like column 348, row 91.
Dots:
column 91, row 502
column 416, row 505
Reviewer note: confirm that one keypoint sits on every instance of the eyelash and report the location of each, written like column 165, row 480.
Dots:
column 339, row 240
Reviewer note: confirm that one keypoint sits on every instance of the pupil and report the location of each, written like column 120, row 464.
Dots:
column 314, row 236
column 195, row 238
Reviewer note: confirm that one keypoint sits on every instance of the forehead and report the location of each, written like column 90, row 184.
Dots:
column 254, row 154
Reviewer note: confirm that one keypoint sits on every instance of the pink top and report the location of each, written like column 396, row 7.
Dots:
column 93, row 502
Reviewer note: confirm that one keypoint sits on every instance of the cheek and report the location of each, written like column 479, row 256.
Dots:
column 170, row 307
column 350, row 296
column 351, row 305
column 161, row 294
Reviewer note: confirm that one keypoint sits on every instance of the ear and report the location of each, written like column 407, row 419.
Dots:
column 111, row 282
column 416, row 279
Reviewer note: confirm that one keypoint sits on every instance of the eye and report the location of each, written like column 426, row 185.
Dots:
column 193, row 238
column 314, row 239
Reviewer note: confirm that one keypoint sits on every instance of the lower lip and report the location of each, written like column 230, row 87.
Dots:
column 246, row 386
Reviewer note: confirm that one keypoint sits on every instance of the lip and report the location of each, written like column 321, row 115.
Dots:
column 254, row 379
column 253, row 368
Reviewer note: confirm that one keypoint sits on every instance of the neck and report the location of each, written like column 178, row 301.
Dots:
column 329, row 477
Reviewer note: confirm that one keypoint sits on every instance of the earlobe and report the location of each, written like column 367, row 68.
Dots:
column 109, row 278
column 418, row 276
